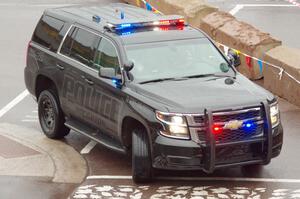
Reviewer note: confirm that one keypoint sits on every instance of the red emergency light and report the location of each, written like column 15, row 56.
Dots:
column 217, row 129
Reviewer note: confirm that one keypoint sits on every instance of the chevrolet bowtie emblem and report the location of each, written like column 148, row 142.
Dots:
column 233, row 125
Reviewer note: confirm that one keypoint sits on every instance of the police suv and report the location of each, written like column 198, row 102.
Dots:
column 149, row 84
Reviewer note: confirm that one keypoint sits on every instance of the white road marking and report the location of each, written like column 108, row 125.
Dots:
column 35, row 5
column 14, row 102
column 116, row 177
column 35, row 111
column 108, row 177
column 30, row 120
column 238, row 7
column 88, row 147
column 32, row 116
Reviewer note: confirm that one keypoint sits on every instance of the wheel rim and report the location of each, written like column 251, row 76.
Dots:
column 47, row 113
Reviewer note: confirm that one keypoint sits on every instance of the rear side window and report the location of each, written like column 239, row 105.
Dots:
column 47, row 32
column 80, row 46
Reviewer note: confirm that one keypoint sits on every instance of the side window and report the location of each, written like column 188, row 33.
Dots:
column 47, row 32
column 68, row 42
column 107, row 56
column 80, row 45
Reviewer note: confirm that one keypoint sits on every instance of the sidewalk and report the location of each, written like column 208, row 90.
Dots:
column 36, row 164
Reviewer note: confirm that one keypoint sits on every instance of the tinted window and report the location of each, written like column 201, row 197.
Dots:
column 47, row 32
column 107, row 56
column 67, row 45
column 83, row 49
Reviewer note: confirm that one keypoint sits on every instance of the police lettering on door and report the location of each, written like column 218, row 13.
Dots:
column 91, row 98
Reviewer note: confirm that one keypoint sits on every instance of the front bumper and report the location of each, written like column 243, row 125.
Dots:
column 174, row 154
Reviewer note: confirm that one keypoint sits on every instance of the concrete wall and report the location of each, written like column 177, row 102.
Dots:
column 226, row 29
column 289, row 60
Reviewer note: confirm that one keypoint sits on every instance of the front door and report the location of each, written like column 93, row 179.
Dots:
column 106, row 101
column 77, row 55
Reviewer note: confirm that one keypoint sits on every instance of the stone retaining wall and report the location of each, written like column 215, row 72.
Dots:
column 289, row 60
column 226, row 29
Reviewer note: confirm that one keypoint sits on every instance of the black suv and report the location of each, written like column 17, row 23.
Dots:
column 137, row 81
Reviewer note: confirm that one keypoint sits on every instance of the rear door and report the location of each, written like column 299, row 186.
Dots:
column 43, row 48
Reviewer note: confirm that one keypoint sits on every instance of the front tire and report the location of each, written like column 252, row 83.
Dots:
column 51, row 116
column 142, row 170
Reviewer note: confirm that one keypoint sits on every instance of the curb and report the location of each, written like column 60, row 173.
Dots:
column 67, row 165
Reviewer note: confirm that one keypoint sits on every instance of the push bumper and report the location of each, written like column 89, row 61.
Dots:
column 173, row 154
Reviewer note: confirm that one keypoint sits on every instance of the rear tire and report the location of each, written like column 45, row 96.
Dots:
column 51, row 116
column 142, row 170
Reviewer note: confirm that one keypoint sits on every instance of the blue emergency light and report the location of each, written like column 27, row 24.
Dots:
column 249, row 126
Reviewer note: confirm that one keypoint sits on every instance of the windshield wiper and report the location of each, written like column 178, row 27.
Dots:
column 161, row 80
column 217, row 75
column 198, row 76
column 210, row 75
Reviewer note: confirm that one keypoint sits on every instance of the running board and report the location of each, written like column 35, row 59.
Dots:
column 95, row 135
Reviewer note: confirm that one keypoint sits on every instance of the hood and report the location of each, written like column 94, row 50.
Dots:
column 196, row 95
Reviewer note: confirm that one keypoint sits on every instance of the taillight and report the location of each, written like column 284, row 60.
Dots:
column 27, row 52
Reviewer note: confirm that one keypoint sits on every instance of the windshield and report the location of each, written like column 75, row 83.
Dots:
column 175, row 59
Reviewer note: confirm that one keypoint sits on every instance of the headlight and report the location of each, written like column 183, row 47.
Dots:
column 175, row 125
column 274, row 114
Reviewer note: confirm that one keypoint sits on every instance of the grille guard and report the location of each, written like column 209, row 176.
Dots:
column 210, row 147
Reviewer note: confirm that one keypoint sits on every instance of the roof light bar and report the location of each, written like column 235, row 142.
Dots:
column 169, row 22
column 163, row 22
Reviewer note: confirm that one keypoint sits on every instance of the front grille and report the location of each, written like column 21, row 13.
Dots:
column 238, row 135
column 228, row 116
column 233, row 135
column 253, row 114
column 199, row 119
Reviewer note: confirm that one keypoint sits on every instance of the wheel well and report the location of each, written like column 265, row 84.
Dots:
column 43, row 83
column 128, row 125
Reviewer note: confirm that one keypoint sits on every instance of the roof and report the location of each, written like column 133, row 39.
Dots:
column 108, row 12
column 111, row 13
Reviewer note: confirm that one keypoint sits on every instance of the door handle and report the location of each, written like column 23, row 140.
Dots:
column 89, row 81
column 60, row 67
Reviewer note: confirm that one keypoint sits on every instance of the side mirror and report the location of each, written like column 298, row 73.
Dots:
column 108, row 73
column 128, row 66
column 234, row 58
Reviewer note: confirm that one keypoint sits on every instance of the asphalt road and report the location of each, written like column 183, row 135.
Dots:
column 108, row 172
